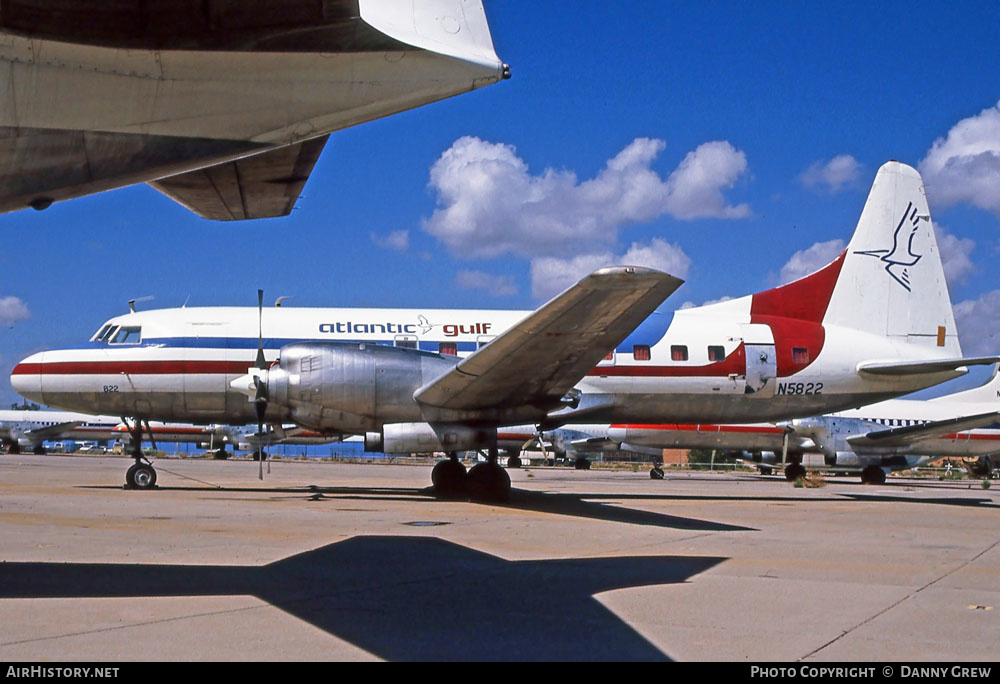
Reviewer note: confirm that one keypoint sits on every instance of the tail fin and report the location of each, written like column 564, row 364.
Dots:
column 892, row 281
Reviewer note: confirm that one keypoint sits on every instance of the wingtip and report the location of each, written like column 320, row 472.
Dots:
column 629, row 276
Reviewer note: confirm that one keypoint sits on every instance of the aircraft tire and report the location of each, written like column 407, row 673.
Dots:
column 514, row 462
column 656, row 473
column 794, row 471
column 140, row 476
column 873, row 475
column 488, row 482
column 449, row 479
column 582, row 464
column 39, row 450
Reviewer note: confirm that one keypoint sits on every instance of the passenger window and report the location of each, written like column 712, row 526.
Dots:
column 127, row 335
column 640, row 352
column 405, row 341
column 678, row 352
column 448, row 348
column 800, row 355
column 716, row 353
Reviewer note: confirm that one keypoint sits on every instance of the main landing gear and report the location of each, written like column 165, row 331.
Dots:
column 794, row 471
column 873, row 475
column 141, row 475
column 483, row 482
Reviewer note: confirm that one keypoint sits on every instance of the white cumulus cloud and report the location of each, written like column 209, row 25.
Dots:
column 964, row 166
column 806, row 261
column 478, row 280
column 978, row 322
column 491, row 204
column 397, row 240
column 956, row 255
column 552, row 275
column 833, row 175
column 13, row 309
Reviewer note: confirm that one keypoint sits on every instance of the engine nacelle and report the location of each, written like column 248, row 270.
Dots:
column 408, row 438
column 351, row 387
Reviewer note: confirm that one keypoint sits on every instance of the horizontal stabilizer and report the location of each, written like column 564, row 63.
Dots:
column 541, row 358
column 262, row 185
column 922, row 367
column 911, row 434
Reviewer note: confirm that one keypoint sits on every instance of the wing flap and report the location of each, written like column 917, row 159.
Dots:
column 540, row 359
column 262, row 185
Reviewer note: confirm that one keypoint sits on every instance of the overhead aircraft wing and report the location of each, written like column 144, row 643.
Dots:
column 539, row 360
column 912, row 434
column 50, row 432
column 919, row 367
column 262, row 185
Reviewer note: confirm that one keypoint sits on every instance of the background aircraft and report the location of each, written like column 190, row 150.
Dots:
column 31, row 429
column 897, row 434
column 222, row 106
column 866, row 327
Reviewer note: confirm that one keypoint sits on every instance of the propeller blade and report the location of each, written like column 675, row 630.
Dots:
column 260, row 362
column 260, row 388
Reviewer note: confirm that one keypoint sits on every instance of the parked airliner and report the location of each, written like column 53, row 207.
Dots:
column 864, row 328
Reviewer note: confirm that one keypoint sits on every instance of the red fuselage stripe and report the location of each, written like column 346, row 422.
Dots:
column 132, row 367
column 762, row 429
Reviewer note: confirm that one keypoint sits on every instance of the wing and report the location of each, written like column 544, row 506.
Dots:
column 262, row 185
column 912, row 434
column 51, row 432
column 540, row 359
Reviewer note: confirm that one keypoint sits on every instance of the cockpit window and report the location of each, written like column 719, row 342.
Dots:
column 102, row 333
column 126, row 334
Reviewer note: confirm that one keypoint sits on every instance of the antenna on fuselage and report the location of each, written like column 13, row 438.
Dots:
column 131, row 302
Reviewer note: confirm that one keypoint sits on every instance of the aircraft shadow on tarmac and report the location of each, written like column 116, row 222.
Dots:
column 406, row 598
column 574, row 505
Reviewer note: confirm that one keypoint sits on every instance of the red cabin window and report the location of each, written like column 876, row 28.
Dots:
column 640, row 352
column 716, row 352
column 800, row 355
column 678, row 352
column 448, row 348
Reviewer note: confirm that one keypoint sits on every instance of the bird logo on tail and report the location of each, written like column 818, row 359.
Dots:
column 900, row 257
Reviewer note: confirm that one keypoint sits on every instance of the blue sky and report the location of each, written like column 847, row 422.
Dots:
column 730, row 142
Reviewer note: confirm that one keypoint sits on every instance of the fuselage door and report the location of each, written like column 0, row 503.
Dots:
column 762, row 366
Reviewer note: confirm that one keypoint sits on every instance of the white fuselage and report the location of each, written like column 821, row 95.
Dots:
column 177, row 364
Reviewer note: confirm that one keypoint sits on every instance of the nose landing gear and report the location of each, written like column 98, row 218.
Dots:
column 141, row 475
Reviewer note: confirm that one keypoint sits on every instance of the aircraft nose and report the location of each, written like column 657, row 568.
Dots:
column 26, row 378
